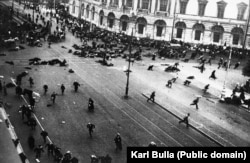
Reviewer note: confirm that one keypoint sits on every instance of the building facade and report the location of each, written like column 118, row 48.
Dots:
column 195, row 21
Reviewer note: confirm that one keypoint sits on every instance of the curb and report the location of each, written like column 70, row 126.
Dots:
column 190, row 125
column 14, row 137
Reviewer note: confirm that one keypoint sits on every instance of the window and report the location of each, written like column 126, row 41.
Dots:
column 129, row 3
column 73, row 7
column 183, row 6
column 145, row 4
column 93, row 13
column 221, row 9
column 241, row 10
column 87, row 13
column 111, row 23
column 163, row 5
column 202, row 7
column 159, row 31
column 140, row 28
column 104, row 1
column 115, row 2
column 179, row 33
column 236, row 38
column 197, row 35
column 216, row 37
column 101, row 20
column 124, row 26
column 83, row 10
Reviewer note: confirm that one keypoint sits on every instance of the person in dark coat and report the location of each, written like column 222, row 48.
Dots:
column 76, row 85
column 118, row 142
column 45, row 88
column 19, row 90
column 44, row 135
column 236, row 65
column 31, row 81
column 185, row 120
column 62, row 89
column 150, row 68
column 152, row 97
column 90, row 127
column 169, row 84
column 213, row 75
column 53, row 97
column 38, row 150
column 31, row 142
column 50, row 148
column 195, row 102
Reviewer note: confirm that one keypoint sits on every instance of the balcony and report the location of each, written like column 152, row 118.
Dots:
column 161, row 13
column 142, row 11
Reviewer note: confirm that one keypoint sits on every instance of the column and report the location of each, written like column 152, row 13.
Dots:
column 156, row 5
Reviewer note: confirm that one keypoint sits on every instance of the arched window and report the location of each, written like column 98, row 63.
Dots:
column 87, row 11
column 198, row 29
column 111, row 19
column 217, row 31
column 82, row 9
column 160, row 25
column 101, row 15
column 180, row 27
column 73, row 7
column 237, row 34
column 93, row 13
column 142, row 23
column 124, row 22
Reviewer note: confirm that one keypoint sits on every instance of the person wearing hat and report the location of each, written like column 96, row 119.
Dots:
column 195, row 102
column 118, row 141
column 185, row 120
column 91, row 127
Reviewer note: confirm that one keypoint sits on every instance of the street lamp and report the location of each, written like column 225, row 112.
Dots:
column 223, row 92
column 128, row 70
column 172, row 33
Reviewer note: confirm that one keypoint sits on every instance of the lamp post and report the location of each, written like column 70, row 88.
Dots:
column 228, row 64
column 172, row 33
column 128, row 70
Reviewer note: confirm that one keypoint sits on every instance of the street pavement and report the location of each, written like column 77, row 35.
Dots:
column 139, row 122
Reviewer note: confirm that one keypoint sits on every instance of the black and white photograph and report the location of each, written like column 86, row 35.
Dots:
column 82, row 81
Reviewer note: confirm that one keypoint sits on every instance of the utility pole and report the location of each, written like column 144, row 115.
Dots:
column 172, row 33
column 128, row 70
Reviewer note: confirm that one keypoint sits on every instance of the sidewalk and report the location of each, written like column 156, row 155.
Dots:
column 8, row 151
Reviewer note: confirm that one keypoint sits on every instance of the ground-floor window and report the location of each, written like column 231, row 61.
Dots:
column 216, row 37
column 197, row 35
column 124, row 26
column 111, row 23
column 179, row 33
column 236, row 39
column 140, row 28
column 159, row 31
column 101, row 20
